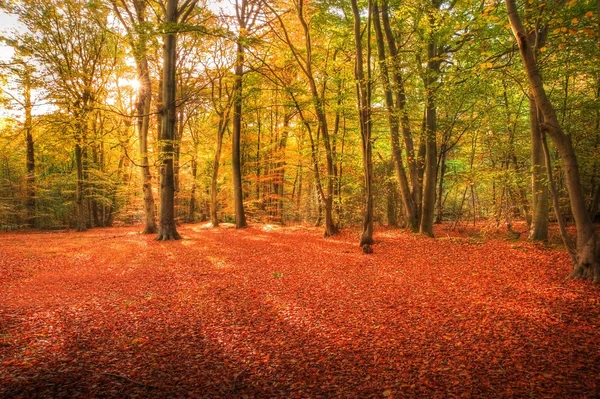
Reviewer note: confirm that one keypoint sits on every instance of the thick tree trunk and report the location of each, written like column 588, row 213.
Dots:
column 539, row 220
column 588, row 265
column 168, row 229
column 364, row 114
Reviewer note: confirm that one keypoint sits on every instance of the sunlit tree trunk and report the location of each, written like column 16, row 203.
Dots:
column 587, row 264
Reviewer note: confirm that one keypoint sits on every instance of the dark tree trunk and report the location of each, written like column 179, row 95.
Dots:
column 430, row 177
column 168, row 229
column 240, row 217
column 364, row 114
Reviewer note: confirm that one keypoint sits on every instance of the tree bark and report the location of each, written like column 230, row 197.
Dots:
column 364, row 114
column 539, row 220
column 168, row 229
column 214, row 189
column 409, row 207
column 240, row 216
column 143, row 109
column 30, row 179
column 587, row 264
column 430, row 177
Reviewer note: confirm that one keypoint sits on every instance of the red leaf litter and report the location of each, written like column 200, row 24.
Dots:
column 271, row 312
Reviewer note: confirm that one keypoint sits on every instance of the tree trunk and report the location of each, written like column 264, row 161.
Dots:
column 430, row 178
column 240, row 217
column 30, row 179
column 214, row 203
column 364, row 114
column 587, row 265
column 539, row 220
column 81, row 219
column 168, row 229
column 143, row 109
column 439, row 217
column 409, row 207
column 402, row 114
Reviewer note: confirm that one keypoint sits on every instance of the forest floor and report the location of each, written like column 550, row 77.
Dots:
column 269, row 312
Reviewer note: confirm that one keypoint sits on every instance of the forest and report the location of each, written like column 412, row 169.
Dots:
column 279, row 187
column 383, row 113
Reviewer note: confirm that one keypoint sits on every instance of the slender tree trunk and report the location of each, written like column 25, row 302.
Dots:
column 409, row 207
column 240, row 216
column 439, row 217
column 402, row 113
column 588, row 264
column 168, row 229
column 30, row 180
column 143, row 109
column 214, row 189
column 192, row 208
column 539, row 220
column 430, row 178
column 79, row 194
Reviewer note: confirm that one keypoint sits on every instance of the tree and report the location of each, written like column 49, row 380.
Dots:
column 587, row 263
column 363, row 90
column 173, row 16
column 78, row 56
column 136, row 25
column 246, row 14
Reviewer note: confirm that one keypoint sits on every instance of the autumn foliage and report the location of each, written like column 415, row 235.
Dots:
column 282, row 312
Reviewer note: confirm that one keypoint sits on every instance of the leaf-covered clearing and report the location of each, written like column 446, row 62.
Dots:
column 284, row 312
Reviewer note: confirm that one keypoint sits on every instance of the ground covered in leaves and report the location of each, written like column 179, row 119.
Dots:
column 283, row 312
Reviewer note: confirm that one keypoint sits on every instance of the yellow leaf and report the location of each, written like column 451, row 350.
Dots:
column 574, row 21
column 564, row 29
column 543, row 49
column 572, row 31
column 557, row 30
column 507, row 26
column 589, row 14
column 572, row 3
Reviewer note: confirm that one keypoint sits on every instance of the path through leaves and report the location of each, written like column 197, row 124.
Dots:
column 282, row 312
